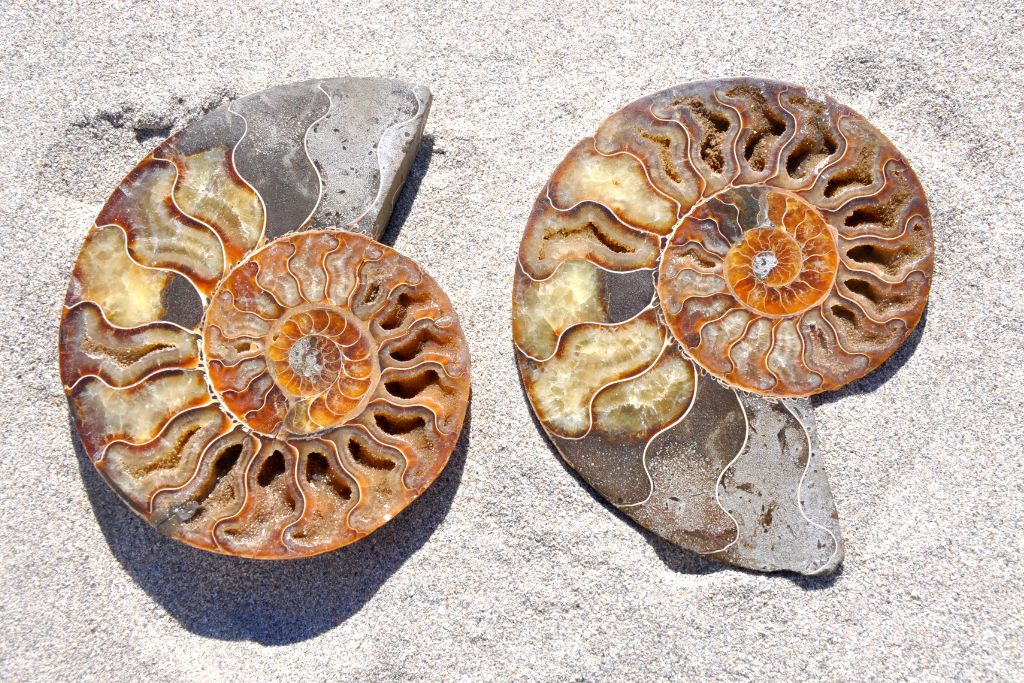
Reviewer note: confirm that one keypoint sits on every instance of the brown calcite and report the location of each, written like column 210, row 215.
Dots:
column 247, row 368
column 714, row 253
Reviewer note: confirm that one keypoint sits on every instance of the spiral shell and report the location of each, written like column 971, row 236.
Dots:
column 775, row 239
column 264, row 397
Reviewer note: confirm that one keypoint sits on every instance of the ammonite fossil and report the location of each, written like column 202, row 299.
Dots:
column 248, row 369
column 712, row 252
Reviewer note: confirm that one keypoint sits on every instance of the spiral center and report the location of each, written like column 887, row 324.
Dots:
column 308, row 355
column 312, row 371
column 784, row 258
column 763, row 264
column 321, row 359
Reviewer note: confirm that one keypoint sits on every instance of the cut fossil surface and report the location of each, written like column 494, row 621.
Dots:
column 247, row 368
column 713, row 254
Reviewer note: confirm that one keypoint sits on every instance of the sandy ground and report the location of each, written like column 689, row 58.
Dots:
column 509, row 568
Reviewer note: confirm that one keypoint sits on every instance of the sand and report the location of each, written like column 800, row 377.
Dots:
column 510, row 568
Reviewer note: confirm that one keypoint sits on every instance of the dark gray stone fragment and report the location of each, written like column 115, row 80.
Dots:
column 220, row 127
column 182, row 303
column 685, row 462
column 626, row 294
column 330, row 153
column 272, row 154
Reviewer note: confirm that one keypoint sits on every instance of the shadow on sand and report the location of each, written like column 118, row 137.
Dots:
column 273, row 603
column 883, row 373
column 403, row 204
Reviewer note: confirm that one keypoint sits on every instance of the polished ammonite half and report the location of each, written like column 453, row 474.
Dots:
column 248, row 377
column 710, row 240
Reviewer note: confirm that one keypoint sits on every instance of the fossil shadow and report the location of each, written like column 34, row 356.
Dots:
column 266, row 601
column 883, row 373
column 410, row 188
